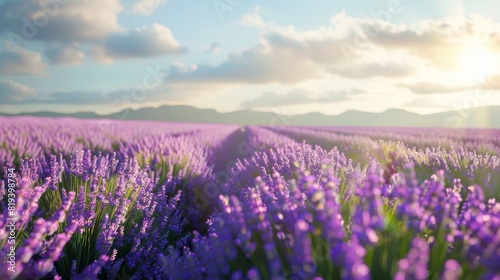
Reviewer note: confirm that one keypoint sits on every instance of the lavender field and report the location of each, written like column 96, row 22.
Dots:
column 101, row 199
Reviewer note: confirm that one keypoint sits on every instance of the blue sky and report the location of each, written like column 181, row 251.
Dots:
column 288, row 57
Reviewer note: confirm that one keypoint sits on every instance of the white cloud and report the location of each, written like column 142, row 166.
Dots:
column 254, row 66
column 299, row 96
column 21, row 62
column 11, row 92
column 214, row 48
column 491, row 83
column 66, row 54
column 146, row 7
column 253, row 20
column 147, row 41
column 61, row 21
column 351, row 47
column 368, row 70
column 430, row 88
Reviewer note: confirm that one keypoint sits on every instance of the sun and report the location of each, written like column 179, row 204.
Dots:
column 476, row 63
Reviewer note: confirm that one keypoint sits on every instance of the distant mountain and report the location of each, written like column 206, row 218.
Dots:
column 482, row 117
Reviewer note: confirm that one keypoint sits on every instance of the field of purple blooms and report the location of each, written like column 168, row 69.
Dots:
column 100, row 199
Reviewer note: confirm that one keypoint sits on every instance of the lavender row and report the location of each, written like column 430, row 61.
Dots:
column 222, row 202
column 35, row 137
column 470, row 166
column 481, row 140
column 122, row 203
column 322, row 218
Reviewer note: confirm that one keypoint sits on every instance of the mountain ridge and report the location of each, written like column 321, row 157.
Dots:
column 481, row 117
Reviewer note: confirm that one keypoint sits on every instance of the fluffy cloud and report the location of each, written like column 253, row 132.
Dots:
column 77, row 97
column 62, row 21
column 439, row 42
column 147, row 41
column 146, row 7
column 285, row 56
column 320, row 47
column 254, row 66
column 430, row 88
column 494, row 42
column 12, row 92
column 21, row 62
column 89, row 22
column 281, row 58
column 349, row 47
column 118, row 98
column 492, row 83
column 368, row 70
column 253, row 20
column 214, row 48
column 66, row 54
column 298, row 96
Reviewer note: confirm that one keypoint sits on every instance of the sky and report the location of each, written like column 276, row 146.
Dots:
column 287, row 57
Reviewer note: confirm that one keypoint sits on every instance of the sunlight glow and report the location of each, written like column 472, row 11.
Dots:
column 476, row 63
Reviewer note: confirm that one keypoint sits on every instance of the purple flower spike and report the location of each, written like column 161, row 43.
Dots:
column 92, row 271
column 350, row 257
column 452, row 270
column 414, row 265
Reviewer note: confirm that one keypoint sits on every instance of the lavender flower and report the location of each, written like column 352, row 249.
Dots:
column 414, row 265
column 107, row 199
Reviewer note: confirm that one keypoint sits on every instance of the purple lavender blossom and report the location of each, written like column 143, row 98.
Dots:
column 192, row 201
column 414, row 265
